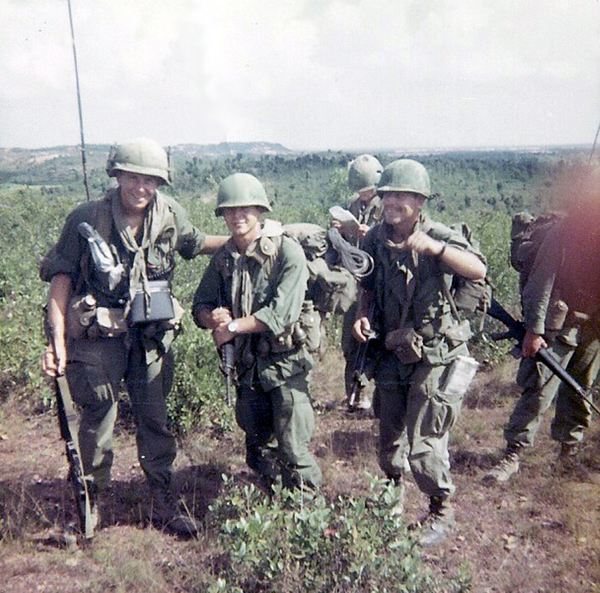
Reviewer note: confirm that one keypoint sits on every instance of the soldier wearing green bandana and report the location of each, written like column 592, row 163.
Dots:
column 110, row 251
column 252, row 295
column 415, row 260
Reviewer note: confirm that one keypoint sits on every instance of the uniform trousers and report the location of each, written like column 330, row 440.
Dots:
column 95, row 371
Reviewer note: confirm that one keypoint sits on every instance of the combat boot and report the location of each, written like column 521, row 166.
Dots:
column 567, row 457
column 568, row 451
column 507, row 467
column 165, row 513
column 438, row 523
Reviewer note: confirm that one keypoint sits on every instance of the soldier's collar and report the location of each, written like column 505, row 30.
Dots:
column 265, row 246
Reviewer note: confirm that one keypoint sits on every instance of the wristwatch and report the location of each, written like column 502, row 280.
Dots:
column 232, row 327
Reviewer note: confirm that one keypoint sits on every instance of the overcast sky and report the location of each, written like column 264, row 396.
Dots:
column 310, row 74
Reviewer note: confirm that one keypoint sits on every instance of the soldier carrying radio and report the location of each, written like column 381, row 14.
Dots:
column 557, row 257
column 111, row 317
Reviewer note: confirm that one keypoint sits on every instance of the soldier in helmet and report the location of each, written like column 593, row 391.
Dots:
column 415, row 261
column 363, row 175
column 252, row 295
column 109, row 251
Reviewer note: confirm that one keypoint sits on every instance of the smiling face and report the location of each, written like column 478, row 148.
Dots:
column 244, row 222
column 401, row 208
column 137, row 191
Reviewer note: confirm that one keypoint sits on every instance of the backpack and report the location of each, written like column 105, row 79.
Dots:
column 331, row 287
column 527, row 233
column 470, row 295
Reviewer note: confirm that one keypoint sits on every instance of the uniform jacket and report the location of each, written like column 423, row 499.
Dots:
column 174, row 233
column 565, row 268
column 269, row 281
column 429, row 311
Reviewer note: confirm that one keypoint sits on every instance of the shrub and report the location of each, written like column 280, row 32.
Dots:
column 284, row 544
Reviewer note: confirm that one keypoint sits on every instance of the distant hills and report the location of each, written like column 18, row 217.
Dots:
column 222, row 149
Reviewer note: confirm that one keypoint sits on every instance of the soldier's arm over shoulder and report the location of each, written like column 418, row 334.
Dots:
column 459, row 257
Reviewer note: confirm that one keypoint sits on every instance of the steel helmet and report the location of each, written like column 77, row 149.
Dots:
column 241, row 189
column 364, row 173
column 143, row 156
column 405, row 175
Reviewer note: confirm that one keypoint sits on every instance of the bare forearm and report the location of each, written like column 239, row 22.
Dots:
column 213, row 242
column 58, row 301
column 465, row 264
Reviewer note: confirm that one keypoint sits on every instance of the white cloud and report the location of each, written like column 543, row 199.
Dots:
column 307, row 73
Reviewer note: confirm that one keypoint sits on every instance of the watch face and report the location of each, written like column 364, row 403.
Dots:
column 232, row 327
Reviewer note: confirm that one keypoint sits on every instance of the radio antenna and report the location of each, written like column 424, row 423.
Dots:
column 83, row 155
column 594, row 145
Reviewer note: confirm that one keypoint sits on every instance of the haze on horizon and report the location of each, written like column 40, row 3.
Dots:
column 308, row 74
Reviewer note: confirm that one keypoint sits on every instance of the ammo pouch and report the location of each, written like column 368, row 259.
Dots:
column 86, row 320
column 110, row 323
column 459, row 334
column 406, row 344
column 81, row 315
column 159, row 307
column 305, row 332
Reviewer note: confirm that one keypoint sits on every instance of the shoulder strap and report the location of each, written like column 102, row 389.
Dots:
column 103, row 224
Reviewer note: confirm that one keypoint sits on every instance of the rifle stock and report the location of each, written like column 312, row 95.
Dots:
column 517, row 331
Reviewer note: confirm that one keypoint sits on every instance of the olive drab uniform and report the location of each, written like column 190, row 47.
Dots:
column 364, row 173
column 269, row 281
column 573, row 339
column 368, row 214
column 107, row 350
column 409, row 397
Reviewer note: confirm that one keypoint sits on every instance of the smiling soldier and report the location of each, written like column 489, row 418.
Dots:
column 111, row 317
column 415, row 396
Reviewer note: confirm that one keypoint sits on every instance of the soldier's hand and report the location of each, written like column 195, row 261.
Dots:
column 531, row 344
column 221, row 335
column 422, row 243
column 336, row 224
column 361, row 329
column 54, row 365
column 220, row 316
column 363, row 229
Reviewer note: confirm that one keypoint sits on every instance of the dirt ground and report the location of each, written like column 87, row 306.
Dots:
column 538, row 533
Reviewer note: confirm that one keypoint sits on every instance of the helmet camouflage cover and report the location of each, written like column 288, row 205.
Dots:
column 364, row 173
column 241, row 189
column 142, row 156
column 405, row 175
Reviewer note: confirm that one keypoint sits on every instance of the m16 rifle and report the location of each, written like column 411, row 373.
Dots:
column 361, row 359
column 359, row 369
column 227, row 356
column 67, row 417
column 227, row 353
column 517, row 331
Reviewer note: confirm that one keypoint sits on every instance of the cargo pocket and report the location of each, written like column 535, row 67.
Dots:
column 442, row 408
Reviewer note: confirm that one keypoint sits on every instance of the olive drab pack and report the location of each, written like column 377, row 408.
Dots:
column 470, row 295
column 526, row 235
column 331, row 287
